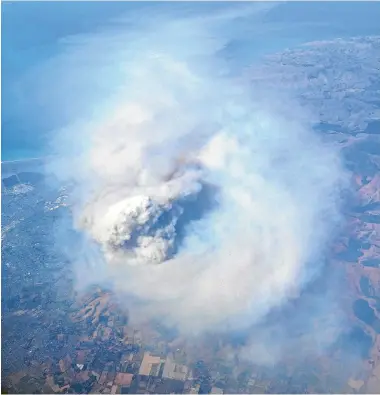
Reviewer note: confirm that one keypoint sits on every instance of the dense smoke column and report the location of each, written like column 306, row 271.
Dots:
column 206, row 202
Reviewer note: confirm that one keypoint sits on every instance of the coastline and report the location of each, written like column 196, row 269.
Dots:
column 10, row 167
column 22, row 160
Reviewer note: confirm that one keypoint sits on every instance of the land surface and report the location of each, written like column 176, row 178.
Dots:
column 56, row 340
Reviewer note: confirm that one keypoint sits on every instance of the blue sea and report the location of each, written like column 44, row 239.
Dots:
column 32, row 34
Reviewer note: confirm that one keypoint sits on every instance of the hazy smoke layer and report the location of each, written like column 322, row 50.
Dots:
column 210, row 204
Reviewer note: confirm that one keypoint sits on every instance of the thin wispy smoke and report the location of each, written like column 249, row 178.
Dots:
column 208, row 203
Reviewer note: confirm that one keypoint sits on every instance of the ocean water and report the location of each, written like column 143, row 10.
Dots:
column 32, row 33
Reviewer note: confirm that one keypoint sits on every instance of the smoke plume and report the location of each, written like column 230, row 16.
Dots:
column 207, row 203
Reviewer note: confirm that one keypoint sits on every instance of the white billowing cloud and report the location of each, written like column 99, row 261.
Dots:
column 210, row 204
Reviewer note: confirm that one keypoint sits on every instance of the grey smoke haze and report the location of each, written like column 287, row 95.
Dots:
column 209, row 204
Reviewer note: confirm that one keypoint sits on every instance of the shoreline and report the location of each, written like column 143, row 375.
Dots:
column 4, row 162
column 15, row 166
